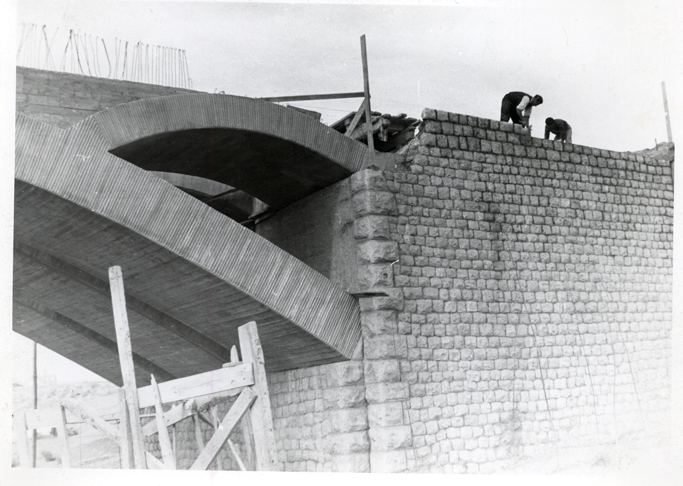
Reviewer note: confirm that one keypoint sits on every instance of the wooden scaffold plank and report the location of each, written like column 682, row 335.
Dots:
column 63, row 434
column 164, row 438
column 260, row 414
column 125, row 441
column 90, row 417
column 208, row 383
column 118, row 298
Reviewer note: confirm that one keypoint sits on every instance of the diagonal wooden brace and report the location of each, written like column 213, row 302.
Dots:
column 91, row 417
column 238, row 409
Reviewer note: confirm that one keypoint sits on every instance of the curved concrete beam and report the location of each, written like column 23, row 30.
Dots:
column 274, row 153
column 133, row 303
column 141, row 363
column 76, row 165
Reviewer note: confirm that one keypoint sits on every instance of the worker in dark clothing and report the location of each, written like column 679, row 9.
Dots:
column 560, row 128
column 517, row 106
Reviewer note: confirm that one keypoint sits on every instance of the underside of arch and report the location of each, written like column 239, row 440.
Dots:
column 192, row 275
column 273, row 153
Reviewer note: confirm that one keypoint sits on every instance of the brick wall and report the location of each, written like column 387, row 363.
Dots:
column 537, row 293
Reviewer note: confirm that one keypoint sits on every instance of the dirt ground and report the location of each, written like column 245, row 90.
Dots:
column 89, row 448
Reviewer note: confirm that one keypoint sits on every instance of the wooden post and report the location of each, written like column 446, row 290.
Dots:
column 356, row 118
column 260, row 413
column 118, row 299
column 164, row 438
column 63, row 434
column 366, row 91
column 22, row 440
column 125, row 442
column 198, row 433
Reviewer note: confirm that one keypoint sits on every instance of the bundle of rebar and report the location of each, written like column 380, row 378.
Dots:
column 92, row 56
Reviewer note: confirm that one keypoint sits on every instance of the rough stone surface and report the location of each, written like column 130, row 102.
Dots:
column 537, row 295
column 530, row 308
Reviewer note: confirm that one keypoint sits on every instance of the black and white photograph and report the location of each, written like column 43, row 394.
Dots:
column 424, row 241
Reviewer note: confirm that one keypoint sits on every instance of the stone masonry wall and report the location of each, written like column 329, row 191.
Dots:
column 320, row 418
column 536, row 280
column 515, row 298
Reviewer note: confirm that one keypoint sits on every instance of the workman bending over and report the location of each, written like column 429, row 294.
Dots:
column 517, row 106
column 560, row 128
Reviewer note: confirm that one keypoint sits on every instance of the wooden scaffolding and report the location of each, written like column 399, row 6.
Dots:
column 194, row 397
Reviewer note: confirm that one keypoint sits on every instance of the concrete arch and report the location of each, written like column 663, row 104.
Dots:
column 183, row 260
column 274, row 153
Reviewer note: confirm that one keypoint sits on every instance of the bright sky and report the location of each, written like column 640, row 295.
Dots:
column 599, row 64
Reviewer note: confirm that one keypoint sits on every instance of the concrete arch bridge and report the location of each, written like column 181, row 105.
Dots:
column 124, row 186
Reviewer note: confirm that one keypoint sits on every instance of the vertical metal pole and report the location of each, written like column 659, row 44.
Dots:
column 366, row 90
column 666, row 111
column 35, row 401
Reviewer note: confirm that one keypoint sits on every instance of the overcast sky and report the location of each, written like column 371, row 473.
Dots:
column 599, row 64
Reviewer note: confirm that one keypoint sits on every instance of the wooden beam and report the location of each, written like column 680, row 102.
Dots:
column 366, row 93
column 22, row 441
column 126, row 441
column 164, row 438
column 214, row 422
column 238, row 459
column 118, row 298
column 86, row 332
column 50, row 417
column 198, row 433
column 362, row 132
column 333, row 96
column 152, row 462
column 260, row 413
column 63, row 434
column 91, row 418
column 356, row 119
column 210, row 382
column 158, row 317
column 239, row 408
column 173, row 416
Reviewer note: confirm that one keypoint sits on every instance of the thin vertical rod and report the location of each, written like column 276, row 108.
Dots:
column 35, row 399
column 366, row 90
column 666, row 111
